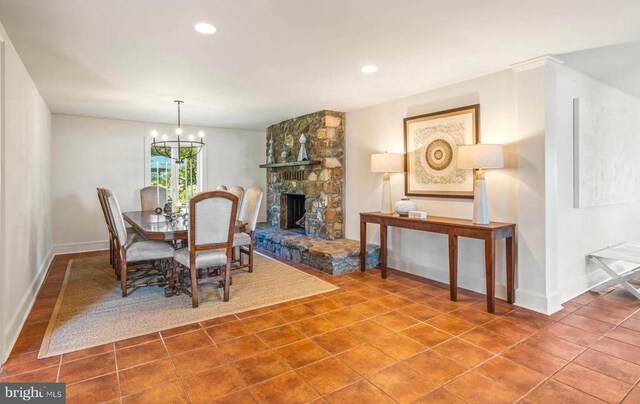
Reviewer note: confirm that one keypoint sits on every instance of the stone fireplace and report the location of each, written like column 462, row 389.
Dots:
column 313, row 189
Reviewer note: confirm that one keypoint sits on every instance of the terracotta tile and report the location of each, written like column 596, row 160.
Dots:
column 139, row 354
column 633, row 396
column 435, row 367
column 632, row 324
column 328, row 375
column 440, row 396
column 394, row 302
column 419, row 311
column 609, row 365
column 263, row 322
column 395, row 321
column 170, row 392
column 398, row 346
column 213, row 383
column 242, row 347
column 279, row 336
column 476, row 388
column 289, row 388
column 618, row 349
column 314, row 326
column 571, row 334
column 261, row 367
column 187, row 342
column 511, row 375
column 600, row 314
column 555, row 346
column 473, row 315
column 586, row 323
column 337, row 341
column 87, row 368
column 450, row 324
column 180, row 330
column 227, row 331
column 198, row 360
column 625, row 335
column 359, row 392
column 368, row 330
column 98, row 390
column 529, row 318
column 125, row 343
column 218, row 321
column 302, row 353
column 598, row 385
column 552, row 391
column 402, row 384
column 295, row 313
column 371, row 293
column 426, row 335
column 462, row 352
column 239, row 397
column 370, row 309
column 349, row 298
column 343, row 317
column 534, row 359
column 366, row 359
column 47, row 375
column 323, row 306
column 28, row 362
column 393, row 287
column 512, row 331
column 85, row 353
column 145, row 376
column 486, row 339
column 253, row 312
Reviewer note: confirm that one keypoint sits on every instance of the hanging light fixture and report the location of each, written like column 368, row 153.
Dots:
column 164, row 146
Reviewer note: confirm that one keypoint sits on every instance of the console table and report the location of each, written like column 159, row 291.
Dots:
column 454, row 228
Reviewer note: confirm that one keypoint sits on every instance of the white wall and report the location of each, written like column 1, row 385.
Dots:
column 581, row 231
column 91, row 152
column 511, row 113
column 25, row 207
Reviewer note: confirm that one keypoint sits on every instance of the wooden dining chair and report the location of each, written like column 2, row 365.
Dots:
column 248, row 214
column 153, row 197
column 129, row 251
column 211, row 227
column 105, row 212
column 239, row 192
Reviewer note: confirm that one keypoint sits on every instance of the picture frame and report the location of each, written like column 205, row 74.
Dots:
column 431, row 142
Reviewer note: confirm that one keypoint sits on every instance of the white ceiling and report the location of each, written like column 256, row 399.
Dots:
column 617, row 65
column 275, row 59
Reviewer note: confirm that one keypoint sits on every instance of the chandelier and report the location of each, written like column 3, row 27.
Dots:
column 186, row 149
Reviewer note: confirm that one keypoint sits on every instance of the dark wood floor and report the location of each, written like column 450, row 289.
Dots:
column 371, row 341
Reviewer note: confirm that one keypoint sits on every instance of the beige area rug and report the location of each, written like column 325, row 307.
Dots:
column 91, row 311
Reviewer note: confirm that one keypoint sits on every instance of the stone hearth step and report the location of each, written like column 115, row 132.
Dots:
column 333, row 257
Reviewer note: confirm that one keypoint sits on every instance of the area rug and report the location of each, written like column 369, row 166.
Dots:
column 91, row 311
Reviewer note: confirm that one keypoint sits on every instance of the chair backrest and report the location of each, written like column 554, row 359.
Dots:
column 115, row 214
column 221, row 188
column 149, row 200
column 239, row 192
column 105, row 210
column 251, row 207
column 212, row 221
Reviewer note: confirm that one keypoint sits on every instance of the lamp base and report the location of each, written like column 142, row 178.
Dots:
column 386, row 195
column 480, row 205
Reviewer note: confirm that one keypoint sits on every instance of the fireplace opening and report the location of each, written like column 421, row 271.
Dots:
column 294, row 215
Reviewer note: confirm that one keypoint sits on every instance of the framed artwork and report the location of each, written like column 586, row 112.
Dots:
column 431, row 150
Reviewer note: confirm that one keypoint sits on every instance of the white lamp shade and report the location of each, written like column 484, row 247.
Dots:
column 387, row 163
column 480, row 156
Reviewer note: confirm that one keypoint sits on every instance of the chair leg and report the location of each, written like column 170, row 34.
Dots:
column 251, row 257
column 194, row 287
column 227, row 280
column 123, row 277
column 111, row 260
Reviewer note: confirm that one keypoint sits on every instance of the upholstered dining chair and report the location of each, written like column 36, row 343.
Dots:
column 249, row 215
column 221, row 188
column 239, row 192
column 132, row 252
column 211, row 226
column 152, row 197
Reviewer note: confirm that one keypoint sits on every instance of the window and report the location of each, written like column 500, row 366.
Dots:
column 182, row 179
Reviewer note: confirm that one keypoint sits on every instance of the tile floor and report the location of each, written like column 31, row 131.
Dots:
column 373, row 340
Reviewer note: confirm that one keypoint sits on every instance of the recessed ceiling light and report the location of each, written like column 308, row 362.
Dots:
column 205, row 28
column 368, row 69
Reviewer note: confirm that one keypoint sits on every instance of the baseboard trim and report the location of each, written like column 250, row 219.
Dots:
column 80, row 247
column 26, row 304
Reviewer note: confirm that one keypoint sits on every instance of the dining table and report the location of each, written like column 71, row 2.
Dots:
column 161, row 228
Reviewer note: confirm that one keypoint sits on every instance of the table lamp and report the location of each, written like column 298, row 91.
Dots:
column 480, row 156
column 387, row 163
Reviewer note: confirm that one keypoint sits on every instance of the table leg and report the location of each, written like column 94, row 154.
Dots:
column 490, row 269
column 453, row 266
column 363, row 245
column 511, row 283
column 383, row 250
